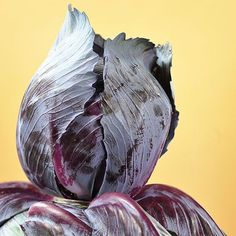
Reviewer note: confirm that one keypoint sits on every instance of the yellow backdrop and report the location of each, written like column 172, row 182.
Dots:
column 201, row 159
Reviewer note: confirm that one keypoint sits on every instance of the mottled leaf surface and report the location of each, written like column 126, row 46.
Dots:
column 176, row 211
column 59, row 136
column 137, row 114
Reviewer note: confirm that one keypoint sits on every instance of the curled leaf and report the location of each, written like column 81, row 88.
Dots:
column 59, row 136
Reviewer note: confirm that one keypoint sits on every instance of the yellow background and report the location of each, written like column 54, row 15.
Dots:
column 201, row 159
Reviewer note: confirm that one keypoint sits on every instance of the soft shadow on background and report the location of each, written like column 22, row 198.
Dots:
column 201, row 159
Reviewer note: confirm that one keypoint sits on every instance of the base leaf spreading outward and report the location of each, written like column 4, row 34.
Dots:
column 157, row 210
column 176, row 211
column 16, row 197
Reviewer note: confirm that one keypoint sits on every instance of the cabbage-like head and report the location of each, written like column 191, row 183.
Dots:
column 97, row 114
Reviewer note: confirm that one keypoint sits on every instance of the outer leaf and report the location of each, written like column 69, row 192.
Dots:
column 16, row 197
column 137, row 114
column 117, row 214
column 59, row 136
column 176, row 211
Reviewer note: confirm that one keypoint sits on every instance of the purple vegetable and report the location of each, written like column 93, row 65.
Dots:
column 176, row 211
column 97, row 114
column 93, row 122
